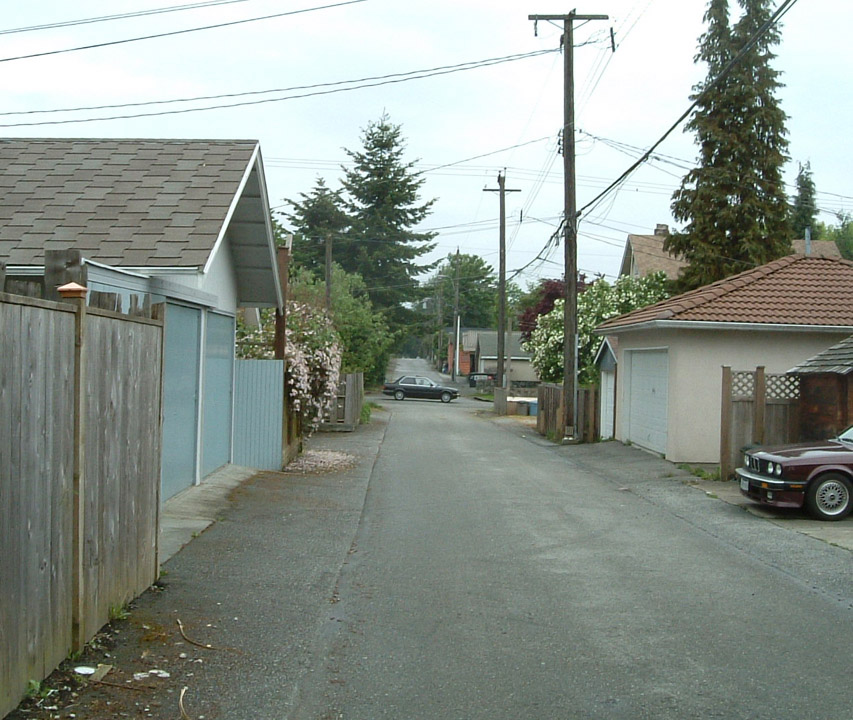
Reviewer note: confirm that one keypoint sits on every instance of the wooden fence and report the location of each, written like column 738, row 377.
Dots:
column 345, row 414
column 80, row 399
column 758, row 408
column 549, row 415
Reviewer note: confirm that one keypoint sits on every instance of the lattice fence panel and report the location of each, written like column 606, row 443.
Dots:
column 743, row 384
column 782, row 387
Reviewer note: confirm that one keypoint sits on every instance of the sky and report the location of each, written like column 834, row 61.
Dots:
column 461, row 128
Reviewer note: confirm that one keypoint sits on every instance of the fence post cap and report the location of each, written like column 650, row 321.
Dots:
column 72, row 290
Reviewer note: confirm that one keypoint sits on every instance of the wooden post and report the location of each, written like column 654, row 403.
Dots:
column 2, row 276
column 76, row 294
column 759, row 406
column 283, row 263
column 62, row 267
column 726, row 466
column 158, row 312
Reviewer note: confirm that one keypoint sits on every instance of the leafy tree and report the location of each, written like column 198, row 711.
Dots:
column 540, row 300
column 733, row 203
column 599, row 302
column 364, row 336
column 842, row 234
column 478, row 291
column 315, row 217
column 804, row 209
column 382, row 200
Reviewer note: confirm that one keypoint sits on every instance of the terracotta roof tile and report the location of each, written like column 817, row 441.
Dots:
column 87, row 193
column 794, row 290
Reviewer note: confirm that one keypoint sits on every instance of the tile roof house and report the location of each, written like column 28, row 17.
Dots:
column 644, row 254
column 670, row 354
column 185, row 222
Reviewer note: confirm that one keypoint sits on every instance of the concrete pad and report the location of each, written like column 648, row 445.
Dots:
column 192, row 511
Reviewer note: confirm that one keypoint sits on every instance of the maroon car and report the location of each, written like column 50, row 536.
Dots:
column 818, row 475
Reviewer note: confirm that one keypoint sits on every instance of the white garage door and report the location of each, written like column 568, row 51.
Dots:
column 648, row 379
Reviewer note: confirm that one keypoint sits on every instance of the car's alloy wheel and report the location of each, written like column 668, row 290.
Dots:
column 446, row 397
column 829, row 497
column 399, row 395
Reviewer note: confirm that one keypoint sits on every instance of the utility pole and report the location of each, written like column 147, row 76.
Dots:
column 456, row 322
column 329, row 273
column 502, row 278
column 570, row 229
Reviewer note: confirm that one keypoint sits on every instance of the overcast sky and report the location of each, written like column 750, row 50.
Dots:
column 624, row 100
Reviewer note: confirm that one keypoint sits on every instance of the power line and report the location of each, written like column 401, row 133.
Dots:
column 121, row 16
column 777, row 15
column 381, row 80
column 179, row 32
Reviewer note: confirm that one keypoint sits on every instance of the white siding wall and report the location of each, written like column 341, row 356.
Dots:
column 221, row 279
column 695, row 378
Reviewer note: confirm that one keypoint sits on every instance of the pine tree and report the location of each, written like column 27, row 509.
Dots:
column 316, row 217
column 384, row 206
column 733, row 203
column 804, row 209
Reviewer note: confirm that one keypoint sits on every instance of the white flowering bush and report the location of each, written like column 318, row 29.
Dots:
column 313, row 355
column 599, row 302
column 313, row 358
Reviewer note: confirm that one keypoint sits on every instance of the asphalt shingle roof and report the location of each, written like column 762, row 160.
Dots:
column 838, row 360
column 794, row 290
column 137, row 203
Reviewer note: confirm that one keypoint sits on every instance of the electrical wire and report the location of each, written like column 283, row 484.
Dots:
column 777, row 15
column 381, row 80
column 179, row 32
column 122, row 16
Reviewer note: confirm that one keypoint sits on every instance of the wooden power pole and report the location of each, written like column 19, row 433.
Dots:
column 570, row 229
column 501, row 380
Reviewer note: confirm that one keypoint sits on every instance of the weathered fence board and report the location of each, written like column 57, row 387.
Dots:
column 758, row 408
column 345, row 414
column 36, row 403
column 119, row 479
column 549, row 415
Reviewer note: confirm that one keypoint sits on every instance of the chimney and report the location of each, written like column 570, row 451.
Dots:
column 661, row 230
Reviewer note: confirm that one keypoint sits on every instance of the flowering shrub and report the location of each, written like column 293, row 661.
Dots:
column 313, row 358
column 313, row 363
column 597, row 303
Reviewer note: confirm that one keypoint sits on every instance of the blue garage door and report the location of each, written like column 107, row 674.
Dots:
column 180, row 399
column 218, row 392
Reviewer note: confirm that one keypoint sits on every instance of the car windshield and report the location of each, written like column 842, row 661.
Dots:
column 847, row 435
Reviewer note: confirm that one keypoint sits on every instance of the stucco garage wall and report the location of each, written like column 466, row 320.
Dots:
column 696, row 358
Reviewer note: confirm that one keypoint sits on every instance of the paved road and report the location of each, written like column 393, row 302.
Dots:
column 465, row 568
column 493, row 578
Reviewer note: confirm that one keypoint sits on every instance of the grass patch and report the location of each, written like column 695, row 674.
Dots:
column 367, row 410
column 701, row 473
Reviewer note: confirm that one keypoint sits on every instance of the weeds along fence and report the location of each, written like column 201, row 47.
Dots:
column 80, row 407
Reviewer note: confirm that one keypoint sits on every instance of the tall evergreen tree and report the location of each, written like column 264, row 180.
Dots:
column 733, row 203
column 318, row 215
column 384, row 206
column 804, row 209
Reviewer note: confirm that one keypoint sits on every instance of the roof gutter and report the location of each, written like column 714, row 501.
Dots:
column 733, row 326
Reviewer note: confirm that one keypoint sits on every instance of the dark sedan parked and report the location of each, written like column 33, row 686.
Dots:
column 413, row 386
column 818, row 475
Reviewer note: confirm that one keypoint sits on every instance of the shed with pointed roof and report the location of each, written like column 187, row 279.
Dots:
column 185, row 222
